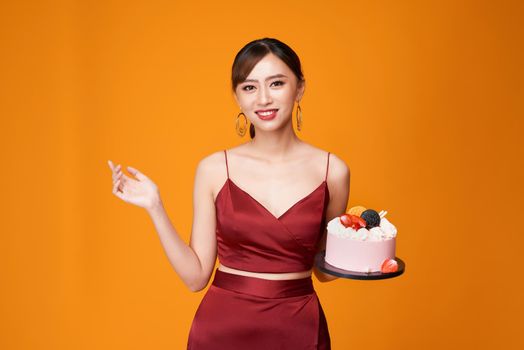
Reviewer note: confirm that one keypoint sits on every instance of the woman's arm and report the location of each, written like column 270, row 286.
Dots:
column 321, row 276
column 339, row 181
column 194, row 263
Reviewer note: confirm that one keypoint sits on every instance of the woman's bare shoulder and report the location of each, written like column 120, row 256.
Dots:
column 338, row 182
column 216, row 161
column 334, row 160
column 338, row 168
column 211, row 173
column 212, row 162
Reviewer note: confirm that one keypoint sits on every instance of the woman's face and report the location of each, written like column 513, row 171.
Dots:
column 270, row 85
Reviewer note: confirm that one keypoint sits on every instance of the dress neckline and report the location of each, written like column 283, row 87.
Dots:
column 323, row 183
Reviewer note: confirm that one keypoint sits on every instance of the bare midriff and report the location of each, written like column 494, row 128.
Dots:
column 269, row 276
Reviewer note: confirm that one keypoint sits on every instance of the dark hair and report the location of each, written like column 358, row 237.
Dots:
column 253, row 52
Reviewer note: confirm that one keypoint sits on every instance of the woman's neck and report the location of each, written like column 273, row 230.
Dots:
column 274, row 145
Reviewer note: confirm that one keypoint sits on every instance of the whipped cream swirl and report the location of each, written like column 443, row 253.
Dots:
column 385, row 231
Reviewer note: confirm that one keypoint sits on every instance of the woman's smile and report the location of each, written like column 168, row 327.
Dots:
column 267, row 114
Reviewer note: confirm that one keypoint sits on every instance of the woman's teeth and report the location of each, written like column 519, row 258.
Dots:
column 267, row 113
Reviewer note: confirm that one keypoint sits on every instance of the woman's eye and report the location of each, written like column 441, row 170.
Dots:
column 246, row 88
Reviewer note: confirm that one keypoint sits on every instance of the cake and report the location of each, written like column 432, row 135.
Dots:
column 361, row 240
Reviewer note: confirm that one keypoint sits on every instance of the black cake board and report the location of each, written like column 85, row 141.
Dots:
column 323, row 266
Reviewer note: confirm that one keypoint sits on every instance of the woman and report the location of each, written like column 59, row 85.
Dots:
column 264, row 206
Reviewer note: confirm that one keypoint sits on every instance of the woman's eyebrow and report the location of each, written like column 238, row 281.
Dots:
column 270, row 77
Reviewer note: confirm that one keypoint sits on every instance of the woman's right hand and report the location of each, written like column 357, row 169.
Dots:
column 141, row 192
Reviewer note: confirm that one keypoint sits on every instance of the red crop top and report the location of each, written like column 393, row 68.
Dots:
column 251, row 238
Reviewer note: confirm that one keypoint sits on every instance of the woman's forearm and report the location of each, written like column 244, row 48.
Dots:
column 183, row 259
column 324, row 277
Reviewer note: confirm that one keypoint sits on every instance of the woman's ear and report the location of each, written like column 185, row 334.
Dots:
column 301, row 87
column 236, row 99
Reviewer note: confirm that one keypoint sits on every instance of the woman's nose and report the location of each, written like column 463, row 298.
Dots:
column 264, row 96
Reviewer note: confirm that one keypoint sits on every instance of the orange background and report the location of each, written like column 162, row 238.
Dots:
column 422, row 99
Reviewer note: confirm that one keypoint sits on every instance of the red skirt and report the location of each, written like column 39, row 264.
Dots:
column 248, row 313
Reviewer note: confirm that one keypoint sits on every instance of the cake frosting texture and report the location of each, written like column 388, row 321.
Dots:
column 361, row 249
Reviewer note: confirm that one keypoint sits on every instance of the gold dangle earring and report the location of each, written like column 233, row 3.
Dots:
column 241, row 131
column 299, row 117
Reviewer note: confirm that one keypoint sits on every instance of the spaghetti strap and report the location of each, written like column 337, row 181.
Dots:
column 227, row 169
column 327, row 167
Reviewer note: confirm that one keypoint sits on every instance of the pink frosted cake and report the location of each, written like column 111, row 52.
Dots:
column 361, row 240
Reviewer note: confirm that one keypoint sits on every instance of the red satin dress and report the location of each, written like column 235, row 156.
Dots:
column 249, row 313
